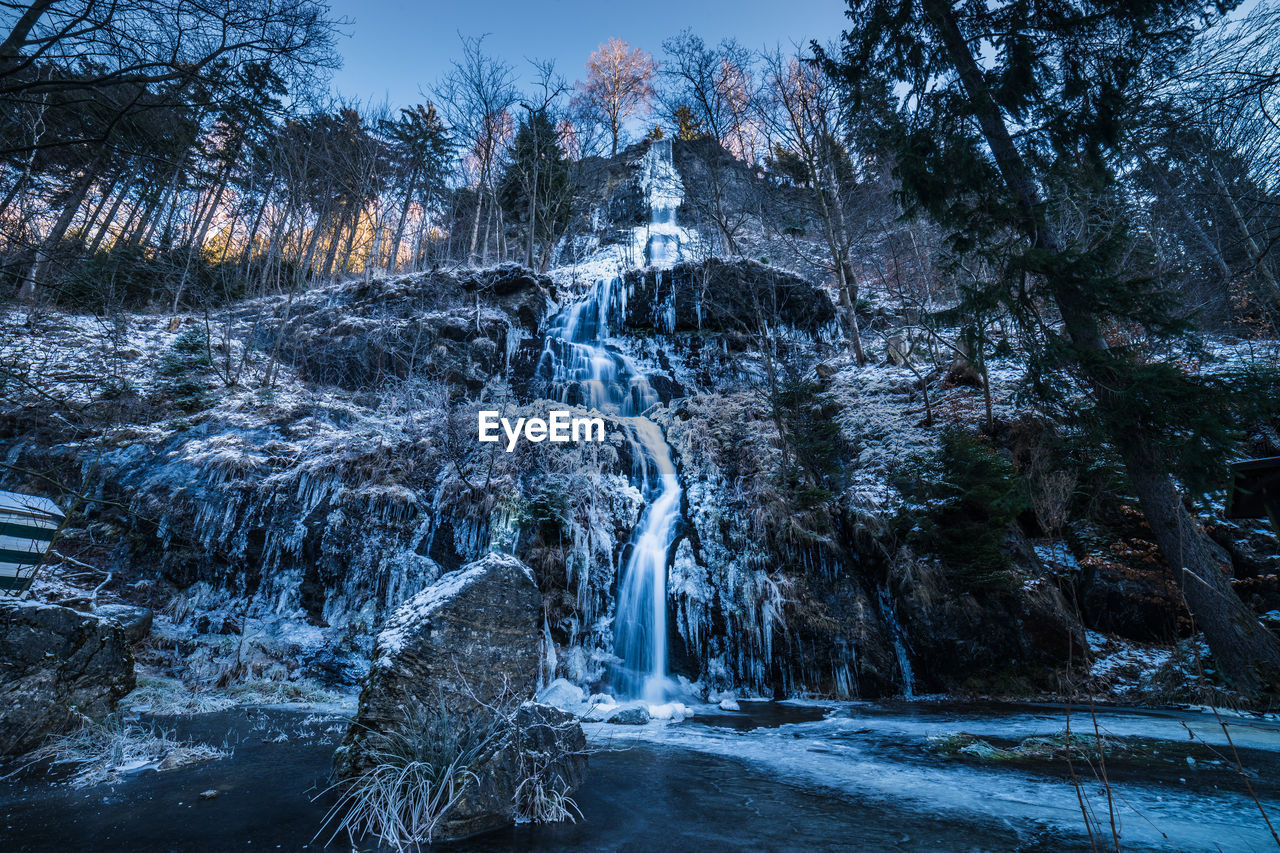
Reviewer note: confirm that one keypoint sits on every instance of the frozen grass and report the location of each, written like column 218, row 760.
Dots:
column 539, row 799
column 167, row 697
column 103, row 752
column 266, row 692
column 412, row 781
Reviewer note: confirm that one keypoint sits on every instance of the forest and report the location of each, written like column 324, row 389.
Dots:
column 937, row 361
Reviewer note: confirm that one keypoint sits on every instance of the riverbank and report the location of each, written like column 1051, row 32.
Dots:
column 798, row 775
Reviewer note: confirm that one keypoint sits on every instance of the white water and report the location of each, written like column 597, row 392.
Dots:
column 585, row 369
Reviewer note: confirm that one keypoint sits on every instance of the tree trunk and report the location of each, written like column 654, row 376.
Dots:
column 1205, row 241
column 31, row 284
column 1244, row 650
column 17, row 37
column 1255, row 253
column 1248, row 655
column 203, row 223
column 475, row 230
column 394, row 254
column 347, row 249
column 111, row 216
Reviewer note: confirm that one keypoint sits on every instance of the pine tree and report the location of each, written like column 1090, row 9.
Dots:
column 1001, row 155
column 688, row 125
column 536, row 189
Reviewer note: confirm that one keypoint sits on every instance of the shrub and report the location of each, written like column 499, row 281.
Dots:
column 966, row 498
column 185, row 370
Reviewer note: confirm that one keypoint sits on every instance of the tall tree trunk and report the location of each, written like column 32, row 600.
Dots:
column 92, row 217
column 204, row 222
column 335, row 237
column 533, row 215
column 1246, row 652
column 394, row 254
column 247, row 255
column 111, row 215
column 846, row 283
column 475, row 229
column 349, row 247
column 1251, row 245
column 1205, row 241
column 31, row 283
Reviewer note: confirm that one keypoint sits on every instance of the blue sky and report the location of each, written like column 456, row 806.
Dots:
column 397, row 48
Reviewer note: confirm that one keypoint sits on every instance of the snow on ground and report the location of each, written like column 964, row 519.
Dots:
column 1123, row 667
column 883, row 418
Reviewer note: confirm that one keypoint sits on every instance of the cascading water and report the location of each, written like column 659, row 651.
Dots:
column 584, row 368
column 890, row 616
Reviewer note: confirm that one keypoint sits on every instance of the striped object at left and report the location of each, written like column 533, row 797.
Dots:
column 27, row 527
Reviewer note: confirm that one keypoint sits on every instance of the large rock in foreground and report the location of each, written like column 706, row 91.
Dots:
column 57, row 665
column 467, row 641
column 451, row 671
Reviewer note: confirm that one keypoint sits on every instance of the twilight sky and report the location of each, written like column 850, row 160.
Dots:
column 398, row 47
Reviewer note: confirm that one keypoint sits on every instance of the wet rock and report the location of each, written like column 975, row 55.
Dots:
column 1010, row 640
column 57, row 665
column 542, row 744
column 136, row 621
column 469, row 640
column 456, row 662
column 636, row 716
column 724, row 296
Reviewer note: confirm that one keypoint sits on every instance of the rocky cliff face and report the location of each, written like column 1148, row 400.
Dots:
column 329, row 472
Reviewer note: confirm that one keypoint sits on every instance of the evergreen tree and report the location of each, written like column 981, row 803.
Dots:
column 536, row 189
column 423, row 152
column 688, row 126
column 1006, row 151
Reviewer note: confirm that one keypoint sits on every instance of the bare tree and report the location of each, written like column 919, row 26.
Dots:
column 476, row 98
column 801, row 107
column 619, row 85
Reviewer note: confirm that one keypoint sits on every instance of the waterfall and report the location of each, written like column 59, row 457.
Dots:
column 583, row 367
column 890, row 616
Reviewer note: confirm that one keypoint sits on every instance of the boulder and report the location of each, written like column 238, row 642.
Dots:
column 634, row 716
column 136, row 621
column 469, row 640
column 56, row 666
column 544, row 744
column 454, row 664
